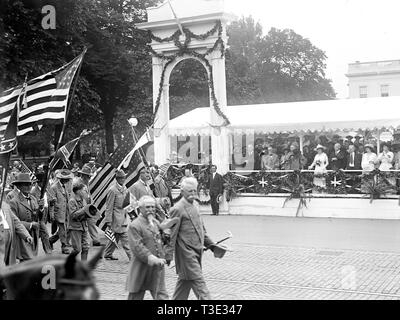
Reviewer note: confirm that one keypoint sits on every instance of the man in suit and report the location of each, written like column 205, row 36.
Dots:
column 337, row 159
column 270, row 161
column 26, row 207
column 59, row 194
column 162, row 190
column 11, row 229
column 354, row 159
column 188, row 237
column 216, row 187
column 141, row 187
column 116, row 215
column 146, row 271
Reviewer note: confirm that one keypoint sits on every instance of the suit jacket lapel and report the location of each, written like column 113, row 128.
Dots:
column 24, row 202
column 196, row 226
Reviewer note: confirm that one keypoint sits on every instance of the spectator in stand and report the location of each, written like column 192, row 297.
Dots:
column 270, row 161
column 309, row 155
column 296, row 159
column 337, row 159
column 369, row 158
column 385, row 158
column 320, row 163
column 354, row 159
column 284, row 161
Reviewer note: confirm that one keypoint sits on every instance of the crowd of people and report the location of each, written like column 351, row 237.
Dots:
column 330, row 156
column 142, row 218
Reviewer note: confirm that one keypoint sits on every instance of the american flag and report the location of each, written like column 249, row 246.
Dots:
column 44, row 98
column 111, row 236
column 104, row 179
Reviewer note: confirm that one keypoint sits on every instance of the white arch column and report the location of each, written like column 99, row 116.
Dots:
column 162, row 144
column 219, row 138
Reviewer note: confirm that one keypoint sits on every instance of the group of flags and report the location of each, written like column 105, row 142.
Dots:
column 27, row 107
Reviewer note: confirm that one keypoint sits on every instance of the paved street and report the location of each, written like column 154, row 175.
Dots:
column 289, row 258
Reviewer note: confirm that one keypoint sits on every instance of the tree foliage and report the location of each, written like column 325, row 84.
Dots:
column 116, row 67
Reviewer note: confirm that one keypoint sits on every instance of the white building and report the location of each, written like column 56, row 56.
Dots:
column 374, row 79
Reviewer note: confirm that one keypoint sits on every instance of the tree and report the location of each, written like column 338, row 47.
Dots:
column 116, row 70
column 279, row 67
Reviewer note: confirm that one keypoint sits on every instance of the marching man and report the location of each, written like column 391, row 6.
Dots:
column 116, row 216
column 146, row 271
column 188, row 237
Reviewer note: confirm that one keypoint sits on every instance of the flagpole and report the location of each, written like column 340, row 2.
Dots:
column 47, row 174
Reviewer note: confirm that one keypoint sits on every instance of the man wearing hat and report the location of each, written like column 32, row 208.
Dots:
column 116, row 216
column 79, row 212
column 27, row 208
column 188, row 237
column 162, row 190
column 59, row 194
column 84, row 177
column 141, row 187
column 11, row 230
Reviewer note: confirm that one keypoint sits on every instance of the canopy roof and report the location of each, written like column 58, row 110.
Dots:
column 296, row 117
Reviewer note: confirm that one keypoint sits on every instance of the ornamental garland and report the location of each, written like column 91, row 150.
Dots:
column 182, row 50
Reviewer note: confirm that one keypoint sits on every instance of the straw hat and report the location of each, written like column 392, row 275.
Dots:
column 219, row 250
column 64, row 174
column 120, row 174
column 86, row 171
column 22, row 178
column 320, row 146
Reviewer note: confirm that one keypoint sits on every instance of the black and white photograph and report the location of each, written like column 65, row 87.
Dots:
column 220, row 150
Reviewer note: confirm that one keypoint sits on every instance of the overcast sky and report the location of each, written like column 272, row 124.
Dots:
column 347, row 30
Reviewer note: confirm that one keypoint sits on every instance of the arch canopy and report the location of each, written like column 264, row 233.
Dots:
column 297, row 117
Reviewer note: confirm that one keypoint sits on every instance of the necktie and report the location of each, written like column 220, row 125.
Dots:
column 352, row 159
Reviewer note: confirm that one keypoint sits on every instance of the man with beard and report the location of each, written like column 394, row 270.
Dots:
column 146, row 271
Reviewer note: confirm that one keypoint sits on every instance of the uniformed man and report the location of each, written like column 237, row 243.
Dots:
column 27, row 208
column 59, row 194
column 116, row 215
column 84, row 176
column 141, row 187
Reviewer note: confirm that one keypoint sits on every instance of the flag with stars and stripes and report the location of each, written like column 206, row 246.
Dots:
column 44, row 98
column 7, row 144
column 104, row 179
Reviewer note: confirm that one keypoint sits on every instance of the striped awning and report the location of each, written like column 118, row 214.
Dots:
column 296, row 117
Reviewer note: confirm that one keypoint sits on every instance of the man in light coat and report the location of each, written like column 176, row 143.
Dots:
column 11, row 229
column 116, row 215
column 141, row 187
column 59, row 194
column 188, row 237
column 26, row 207
column 146, row 271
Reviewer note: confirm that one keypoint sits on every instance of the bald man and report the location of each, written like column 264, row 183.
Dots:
column 188, row 238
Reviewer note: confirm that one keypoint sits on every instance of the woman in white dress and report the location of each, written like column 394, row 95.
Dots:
column 386, row 159
column 369, row 158
column 320, row 163
column 368, row 162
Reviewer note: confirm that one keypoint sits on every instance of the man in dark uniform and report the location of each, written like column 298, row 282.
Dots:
column 216, row 187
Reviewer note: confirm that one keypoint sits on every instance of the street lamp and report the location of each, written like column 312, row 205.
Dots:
column 133, row 121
